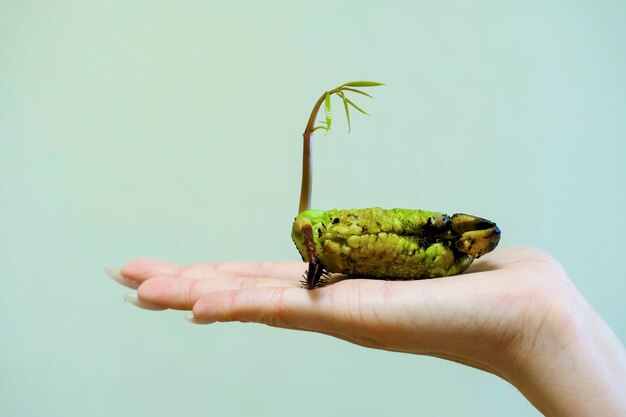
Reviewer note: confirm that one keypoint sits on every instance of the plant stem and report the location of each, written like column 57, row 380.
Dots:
column 307, row 171
column 305, row 188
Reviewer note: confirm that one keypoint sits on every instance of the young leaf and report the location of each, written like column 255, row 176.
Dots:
column 355, row 106
column 305, row 190
column 327, row 111
column 362, row 84
column 345, row 106
column 354, row 90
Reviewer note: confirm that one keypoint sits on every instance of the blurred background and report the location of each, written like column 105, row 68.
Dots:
column 172, row 130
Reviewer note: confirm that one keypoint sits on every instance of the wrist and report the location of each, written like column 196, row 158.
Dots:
column 571, row 364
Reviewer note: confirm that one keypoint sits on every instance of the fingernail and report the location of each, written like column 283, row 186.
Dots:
column 116, row 275
column 134, row 300
column 195, row 320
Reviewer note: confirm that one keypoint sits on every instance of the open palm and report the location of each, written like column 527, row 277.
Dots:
column 475, row 318
column 510, row 314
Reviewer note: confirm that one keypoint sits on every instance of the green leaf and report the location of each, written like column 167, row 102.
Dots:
column 327, row 111
column 362, row 84
column 345, row 106
column 356, row 107
column 354, row 90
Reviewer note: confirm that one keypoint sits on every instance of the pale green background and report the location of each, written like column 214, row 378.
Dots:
column 173, row 130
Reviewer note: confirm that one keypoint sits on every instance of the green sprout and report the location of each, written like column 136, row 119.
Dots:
column 375, row 242
column 326, row 124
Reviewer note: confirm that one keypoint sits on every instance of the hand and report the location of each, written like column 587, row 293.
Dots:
column 514, row 314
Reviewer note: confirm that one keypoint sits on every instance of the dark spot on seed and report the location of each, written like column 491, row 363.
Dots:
column 336, row 220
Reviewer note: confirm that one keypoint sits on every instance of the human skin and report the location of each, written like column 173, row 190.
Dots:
column 514, row 313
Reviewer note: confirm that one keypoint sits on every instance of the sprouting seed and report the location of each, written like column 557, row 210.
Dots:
column 379, row 243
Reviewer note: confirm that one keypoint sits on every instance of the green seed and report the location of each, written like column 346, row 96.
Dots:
column 396, row 243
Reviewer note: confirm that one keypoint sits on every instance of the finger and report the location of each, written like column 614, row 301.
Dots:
column 142, row 269
column 279, row 269
column 116, row 275
column 183, row 292
column 277, row 306
column 347, row 304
